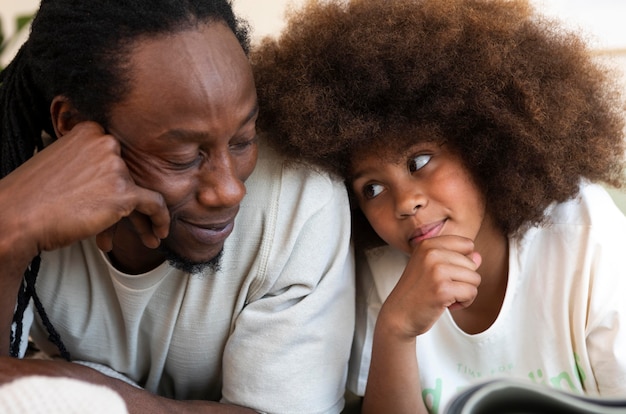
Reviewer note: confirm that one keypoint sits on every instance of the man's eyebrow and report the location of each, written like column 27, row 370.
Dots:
column 254, row 112
column 180, row 133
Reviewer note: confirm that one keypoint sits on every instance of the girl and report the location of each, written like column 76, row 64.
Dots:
column 472, row 135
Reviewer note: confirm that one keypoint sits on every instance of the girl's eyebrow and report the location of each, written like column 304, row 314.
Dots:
column 360, row 172
column 399, row 158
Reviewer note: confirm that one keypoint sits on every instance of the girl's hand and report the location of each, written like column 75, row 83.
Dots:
column 441, row 274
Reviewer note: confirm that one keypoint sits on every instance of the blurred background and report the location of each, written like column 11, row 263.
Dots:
column 601, row 22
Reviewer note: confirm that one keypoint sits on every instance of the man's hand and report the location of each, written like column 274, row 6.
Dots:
column 78, row 187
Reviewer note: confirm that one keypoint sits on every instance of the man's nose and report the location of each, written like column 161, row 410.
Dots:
column 219, row 185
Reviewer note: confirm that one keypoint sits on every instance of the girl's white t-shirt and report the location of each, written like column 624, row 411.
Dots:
column 560, row 322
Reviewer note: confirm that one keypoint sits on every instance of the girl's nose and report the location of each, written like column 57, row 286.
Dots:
column 409, row 201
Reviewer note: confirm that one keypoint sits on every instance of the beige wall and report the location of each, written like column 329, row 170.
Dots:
column 601, row 19
column 265, row 16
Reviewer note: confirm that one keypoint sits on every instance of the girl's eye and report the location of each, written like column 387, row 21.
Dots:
column 372, row 190
column 418, row 162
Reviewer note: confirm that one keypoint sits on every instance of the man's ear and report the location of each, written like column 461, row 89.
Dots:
column 64, row 115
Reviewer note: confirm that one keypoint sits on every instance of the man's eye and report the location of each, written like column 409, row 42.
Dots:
column 418, row 162
column 372, row 190
column 240, row 146
column 186, row 164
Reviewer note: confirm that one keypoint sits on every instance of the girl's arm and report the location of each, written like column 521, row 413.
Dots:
column 441, row 274
column 393, row 383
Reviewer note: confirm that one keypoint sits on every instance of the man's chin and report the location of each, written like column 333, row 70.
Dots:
column 190, row 265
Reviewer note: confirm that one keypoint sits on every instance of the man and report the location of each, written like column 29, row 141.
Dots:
column 151, row 257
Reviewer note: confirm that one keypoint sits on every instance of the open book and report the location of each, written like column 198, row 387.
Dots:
column 504, row 396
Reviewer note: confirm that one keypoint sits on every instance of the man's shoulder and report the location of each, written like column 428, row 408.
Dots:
column 292, row 180
column 270, row 161
column 283, row 195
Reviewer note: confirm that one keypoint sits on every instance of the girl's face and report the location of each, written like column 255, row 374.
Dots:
column 424, row 193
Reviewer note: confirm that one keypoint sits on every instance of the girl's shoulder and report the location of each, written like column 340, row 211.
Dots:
column 575, row 233
column 592, row 207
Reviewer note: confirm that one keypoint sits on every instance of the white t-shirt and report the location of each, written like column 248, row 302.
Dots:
column 560, row 322
column 271, row 330
column 56, row 395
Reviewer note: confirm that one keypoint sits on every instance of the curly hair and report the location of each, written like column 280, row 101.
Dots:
column 523, row 102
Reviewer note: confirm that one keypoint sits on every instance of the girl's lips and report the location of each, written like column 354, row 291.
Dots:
column 426, row 232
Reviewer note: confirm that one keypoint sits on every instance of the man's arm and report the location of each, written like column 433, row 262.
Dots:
column 292, row 339
column 75, row 188
column 137, row 400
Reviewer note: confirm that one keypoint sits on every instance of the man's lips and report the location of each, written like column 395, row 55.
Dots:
column 426, row 232
column 209, row 233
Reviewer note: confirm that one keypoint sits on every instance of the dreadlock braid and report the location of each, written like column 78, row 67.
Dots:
column 21, row 126
column 27, row 292
column 22, row 123
column 78, row 49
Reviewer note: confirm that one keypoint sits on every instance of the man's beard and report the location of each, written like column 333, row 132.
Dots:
column 189, row 266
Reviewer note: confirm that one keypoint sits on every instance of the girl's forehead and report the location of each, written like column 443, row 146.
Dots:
column 393, row 143
column 390, row 151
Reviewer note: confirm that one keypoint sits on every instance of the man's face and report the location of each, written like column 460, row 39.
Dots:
column 187, row 130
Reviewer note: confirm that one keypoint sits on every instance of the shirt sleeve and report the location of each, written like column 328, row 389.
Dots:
column 606, row 327
column 368, row 304
column 290, row 345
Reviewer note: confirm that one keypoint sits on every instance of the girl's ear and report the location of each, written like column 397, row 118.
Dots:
column 63, row 115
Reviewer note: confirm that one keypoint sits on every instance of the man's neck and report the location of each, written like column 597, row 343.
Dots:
column 129, row 255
